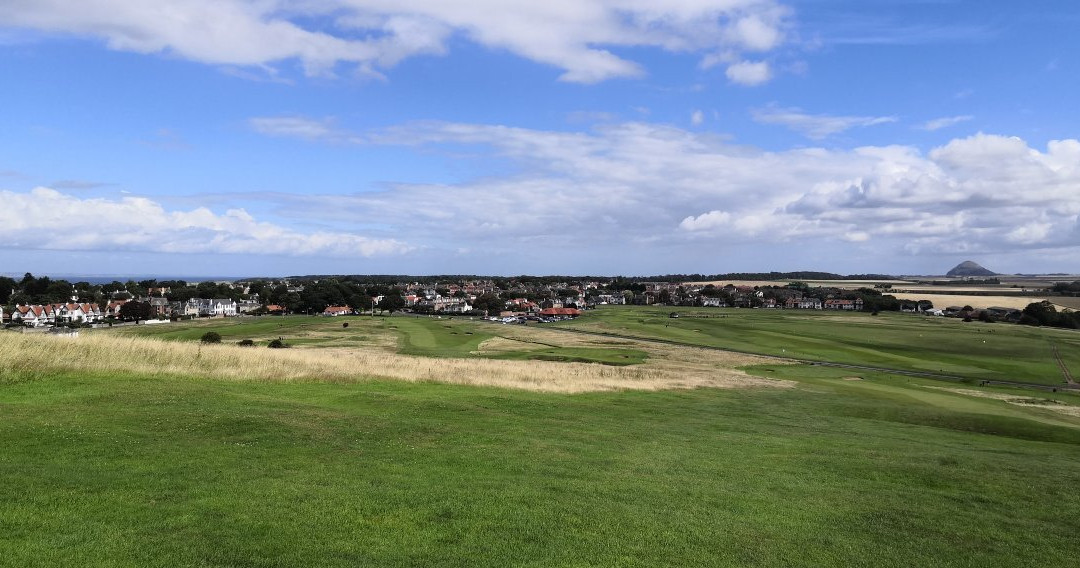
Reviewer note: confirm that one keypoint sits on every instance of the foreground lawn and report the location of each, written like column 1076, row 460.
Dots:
column 128, row 471
column 892, row 340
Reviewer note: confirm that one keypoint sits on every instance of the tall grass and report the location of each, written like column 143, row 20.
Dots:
column 26, row 356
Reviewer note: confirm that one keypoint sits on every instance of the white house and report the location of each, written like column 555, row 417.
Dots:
column 218, row 307
column 33, row 316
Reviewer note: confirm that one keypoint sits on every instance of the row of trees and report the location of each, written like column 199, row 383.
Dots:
column 31, row 289
column 1044, row 313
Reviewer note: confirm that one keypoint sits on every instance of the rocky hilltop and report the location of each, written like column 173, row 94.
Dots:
column 967, row 269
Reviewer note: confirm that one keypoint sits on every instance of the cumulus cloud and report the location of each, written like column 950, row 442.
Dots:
column 697, row 118
column 944, row 122
column 648, row 183
column 577, row 36
column 51, row 220
column 814, row 126
column 749, row 73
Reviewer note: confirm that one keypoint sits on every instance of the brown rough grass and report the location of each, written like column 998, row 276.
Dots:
column 667, row 368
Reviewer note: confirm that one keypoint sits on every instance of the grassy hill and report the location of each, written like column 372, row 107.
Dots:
column 123, row 470
column 160, row 457
column 893, row 340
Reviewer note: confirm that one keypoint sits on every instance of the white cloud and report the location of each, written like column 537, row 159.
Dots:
column 577, row 36
column 697, row 118
column 749, row 73
column 706, row 221
column 944, row 122
column 648, row 183
column 51, row 220
column 815, row 126
column 299, row 127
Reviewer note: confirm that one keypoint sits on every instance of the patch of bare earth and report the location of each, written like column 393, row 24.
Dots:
column 1045, row 403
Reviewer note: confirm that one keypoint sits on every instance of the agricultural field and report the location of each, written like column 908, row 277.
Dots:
column 401, row 441
column 980, row 297
column 897, row 341
column 1069, row 303
column 977, row 301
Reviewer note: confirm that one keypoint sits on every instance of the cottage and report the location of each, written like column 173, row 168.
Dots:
column 337, row 311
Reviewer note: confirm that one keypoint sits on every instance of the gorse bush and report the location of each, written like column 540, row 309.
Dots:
column 277, row 344
column 211, row 337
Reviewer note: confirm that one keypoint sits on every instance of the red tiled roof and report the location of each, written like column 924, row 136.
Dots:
column 560, row 312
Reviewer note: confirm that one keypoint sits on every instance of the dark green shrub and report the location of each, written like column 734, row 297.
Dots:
column 245, row 343
column 211, row 337
column 277, row 344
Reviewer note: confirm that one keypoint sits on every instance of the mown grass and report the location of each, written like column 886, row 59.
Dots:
column 899, row 341
column 428, row 337
column 122, row 470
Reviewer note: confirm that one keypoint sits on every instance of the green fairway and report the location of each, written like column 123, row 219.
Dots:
column 119, row 471
column 892, row 340
column 430, row 337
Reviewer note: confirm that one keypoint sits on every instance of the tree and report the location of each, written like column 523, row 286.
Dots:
column 135, row 311
column 392, row 301
column 664, row 297
column 1043, row 313
column 489, row 303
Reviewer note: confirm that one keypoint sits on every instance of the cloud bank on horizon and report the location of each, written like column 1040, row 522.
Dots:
column 695, row 133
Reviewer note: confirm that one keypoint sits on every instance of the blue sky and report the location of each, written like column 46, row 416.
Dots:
column 236, row 137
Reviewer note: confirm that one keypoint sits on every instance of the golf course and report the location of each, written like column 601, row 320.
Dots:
column 626, row 437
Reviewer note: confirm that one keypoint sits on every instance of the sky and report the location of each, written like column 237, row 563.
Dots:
column 504, row 137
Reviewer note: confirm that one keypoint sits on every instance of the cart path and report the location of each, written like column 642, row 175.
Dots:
column 1064, row 368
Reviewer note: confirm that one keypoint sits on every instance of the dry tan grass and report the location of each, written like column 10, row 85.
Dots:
column 667, row 368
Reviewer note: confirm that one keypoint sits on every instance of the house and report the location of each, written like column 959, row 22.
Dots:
column 76, row 312
column 337, row 311
column 713, row 302
column 849, row 305
column 218, row 307
column 222, row 307
column 33, row 316
column 561, row 312
column 113, row 309
column 275, row 309
column 1005, row 313
column 808, row 303
column 159, row 306
column 247, row 306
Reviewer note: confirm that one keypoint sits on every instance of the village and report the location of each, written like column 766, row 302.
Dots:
column 539, row 299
